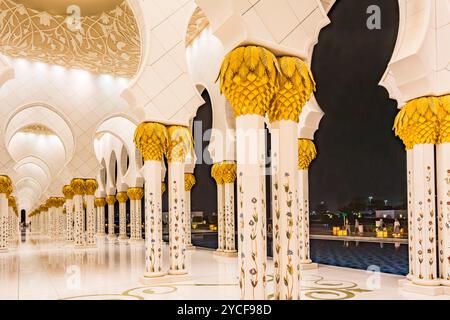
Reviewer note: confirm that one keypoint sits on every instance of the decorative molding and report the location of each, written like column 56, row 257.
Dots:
column 108, row 43
column 198, row 23
column 38, row 129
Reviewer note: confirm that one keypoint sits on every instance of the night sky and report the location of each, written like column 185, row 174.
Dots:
column 358, row 154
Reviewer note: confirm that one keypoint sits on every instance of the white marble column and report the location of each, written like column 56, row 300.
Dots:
column 135, row 195
column 229, row 177
column 189, row 182
column 110, row 200
column 5, row 191
column 216, row 173
column 91, row 187
column 68, row 194
column 152, row 141
column 180, row 144
column 79, row 189
column 132, row 215
column 250, row 93
column 100, row 204
column 61, row 219
column 11, row 214
column 51, row 218
column 44, row 212
column 411, row 216
column 285, row 215
column 425, row 216
column 290, row 227
column 443, row 200
column 306, row 154
column 251, row 209
column 122, row 198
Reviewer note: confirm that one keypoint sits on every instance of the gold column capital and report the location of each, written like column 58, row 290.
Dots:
column 135, row 193
column 229, row 172
column 444, row 119
column 189, row 181
column 68, row 192
column 216, row 173
column 11, row 201
column 163, row 187
column 91, row 186
column 180, row 144
column 417, row 122
column 52, row 202
column 151, row 139
column 60, row 202
column 306, row 153
column 5, row 185
column 100, row 202
column 248, row 79
column 122, row 197
column 110, row 200
column 295, row 87
column 78, row 186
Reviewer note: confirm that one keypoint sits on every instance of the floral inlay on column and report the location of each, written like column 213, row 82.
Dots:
column 152, row 141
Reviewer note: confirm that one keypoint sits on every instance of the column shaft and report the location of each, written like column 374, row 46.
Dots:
column 230, row 242
column 153, row 219
column 221, row 225
column 252, row 208
column 4, row 211
column 78, row 226
column 285, row 215
column 90, row 220
column 188, row 219
column 177, row 243
column 411, row 215
column 443, row 201
column 303, row 188
column 425, row 215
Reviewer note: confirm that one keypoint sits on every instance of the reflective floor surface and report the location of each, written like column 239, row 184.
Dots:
column 40, row 269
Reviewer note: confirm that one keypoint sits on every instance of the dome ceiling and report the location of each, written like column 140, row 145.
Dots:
column 59, row 7
column 107, row 42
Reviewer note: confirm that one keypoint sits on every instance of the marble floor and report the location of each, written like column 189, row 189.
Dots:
column 40, row 269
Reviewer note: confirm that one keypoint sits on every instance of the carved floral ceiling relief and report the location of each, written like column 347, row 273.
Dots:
column 108, row 43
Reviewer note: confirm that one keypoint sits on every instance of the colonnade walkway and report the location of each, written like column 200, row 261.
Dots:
column 40, row 269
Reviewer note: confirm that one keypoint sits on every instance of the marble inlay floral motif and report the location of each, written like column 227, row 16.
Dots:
column 107, row 43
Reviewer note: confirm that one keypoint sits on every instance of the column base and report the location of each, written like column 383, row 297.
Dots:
column 224, row 253
column 177, row 272
column 426, row 283
column 79, row 246
column 410, row 287
column 445, row 283
column 90, row 245
column 190, row 247
column 123, row 239
column 162, row 278
column 4, row 249
column 136, row 241
column 309, row 266
column 112, row 238
column 100, row 235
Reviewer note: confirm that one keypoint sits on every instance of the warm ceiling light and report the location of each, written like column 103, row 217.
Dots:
column 38, row 129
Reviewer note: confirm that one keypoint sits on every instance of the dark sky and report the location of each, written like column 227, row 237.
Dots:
column 358, row 154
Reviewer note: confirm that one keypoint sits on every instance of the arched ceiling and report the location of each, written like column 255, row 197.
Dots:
column 40, row 141
column 106, row 42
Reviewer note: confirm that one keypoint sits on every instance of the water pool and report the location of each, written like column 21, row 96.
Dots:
column 331, row 252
